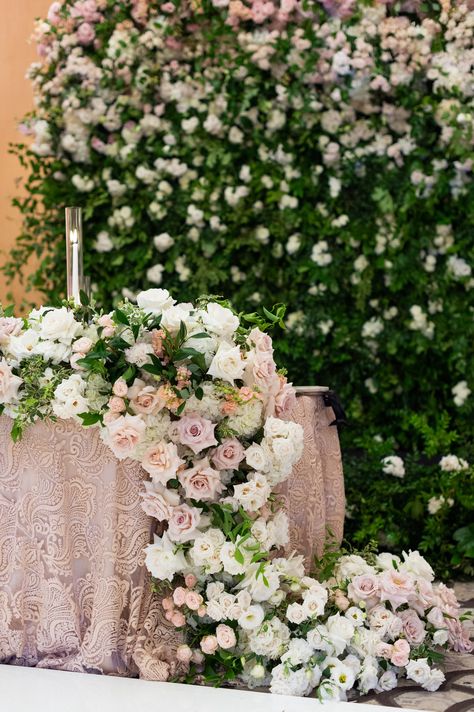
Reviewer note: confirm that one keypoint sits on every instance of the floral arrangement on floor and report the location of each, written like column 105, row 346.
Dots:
column 193, row 393
column 248, row 147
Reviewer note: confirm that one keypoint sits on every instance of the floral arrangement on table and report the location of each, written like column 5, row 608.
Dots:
column 321, row 150
column 193, row 393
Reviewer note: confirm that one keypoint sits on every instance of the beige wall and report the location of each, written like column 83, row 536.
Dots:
column 16, row 53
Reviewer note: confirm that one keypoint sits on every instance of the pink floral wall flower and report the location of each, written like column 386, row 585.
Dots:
column 196, row 432
column 201, row 482
column 85, row 33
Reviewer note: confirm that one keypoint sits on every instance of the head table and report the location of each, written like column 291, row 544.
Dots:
column 74, row 591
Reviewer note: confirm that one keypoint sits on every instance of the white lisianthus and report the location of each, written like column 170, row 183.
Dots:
column 69, row 400
column 298, row 653
column 227, row 364
column 419, row 671
column 53, row 351
column 270, row 639
column 252, row 617
column 415, row 564
column 23, row 345
column 254, row 493
column 162, row 560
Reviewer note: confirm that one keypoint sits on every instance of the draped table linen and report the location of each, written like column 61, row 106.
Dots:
column 74, row 591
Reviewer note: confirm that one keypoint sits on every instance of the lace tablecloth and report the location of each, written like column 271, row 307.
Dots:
column 74, row 592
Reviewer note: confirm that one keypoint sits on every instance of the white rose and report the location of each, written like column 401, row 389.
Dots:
column 387, row 681
column 295, row 613
column 353, row 565
column 214, row 610
column 53, row 351
column 227, row 364
column 24, row 345
column 59, row 325
column 340, row 631
column 314, row 603
column 155, row 301
column 257, row 458
column 415, row 564
column 418, row 670
column 161, row 559
column 220, row 320
column 173, row 316
column 68, row 399
column 385, row 561
column 440, row 637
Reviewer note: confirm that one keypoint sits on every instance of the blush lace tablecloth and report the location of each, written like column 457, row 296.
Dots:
column 74, row 592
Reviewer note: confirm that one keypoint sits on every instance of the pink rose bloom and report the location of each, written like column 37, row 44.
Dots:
column 228, row 455
column 167, row 604
column 196, row 432
column 285, row 400
column 458, row 636
column 9, row 326
column 184, row 653
column 401, row 653
column 116, row 404
column 190, row 580
column 425, row 596
column 169, row 615
column 209, row 644
column 261, row 341
column 108, row 328
column 86, row 10
column 412, row 627
column 145, row 399
column 446, row 598
column 201, row 611
column 161, row 461
column 124, row 434
column 201, row 482
column 183, row 523
column 179, row 596
column 120, row 388
column 158, row 501
column 198, row 657
column 178, row 619
column 9, row 383
column 82, row 345
column 85, row 33
column 194, row 600
column 261, row 371
column 53, row 13
column 364, row 587
column 109, row 417
column 397, row 587
column 74, row 361
column 225, row 636
column 384, row 650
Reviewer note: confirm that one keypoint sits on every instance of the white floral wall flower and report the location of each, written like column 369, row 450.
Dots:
column 452, row 463
column 393, row 465
column 461, row 393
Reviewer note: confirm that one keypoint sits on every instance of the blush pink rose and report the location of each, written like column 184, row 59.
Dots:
column 145, row 399
column 82, row 345
column 53, row 13
column 167, row 604
column 384, row 650
column 184, row 653
column 285, row 400
column 261, row 341
column 201, row 482
column 9, row 326
column 120, row 388
column 209, row 644
column 425, row 596
column 108, row 328
column 124, row 434
column 161, row 461
column 74, row 361
column 116, row 404
column 183, row 523
column 228, row 455
column 194, row 600
column 196, row 432
column 261, row 371
column 158, row 501
column 363, row 587
column 179, row 596
column 436, row 617
column 458, row 636
column 110, row 417
column 225, row 636
column 9, row 383
column 413, row 627
column 397, row 587
column 400, row 653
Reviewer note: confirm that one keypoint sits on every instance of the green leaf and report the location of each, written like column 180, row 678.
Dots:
column 9, row 311
column 84, row 299
column 238, row 556
column 90, row 418
column 199, row 393
column 121, row 318
column 181, row 408
column 149, row 368
column 201, row 335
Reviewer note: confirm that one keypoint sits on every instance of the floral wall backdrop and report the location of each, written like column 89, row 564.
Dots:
column 315, row 153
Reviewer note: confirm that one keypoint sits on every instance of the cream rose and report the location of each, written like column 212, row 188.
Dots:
column 161, row 461
column 155, row 301
column 227, row 364
column 158, row 501
column 225, row 636
column 9, row 383
column 145, row 399
column 201, row 482
column 123, row 434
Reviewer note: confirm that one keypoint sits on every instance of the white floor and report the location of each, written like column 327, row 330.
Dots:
column 35, row 690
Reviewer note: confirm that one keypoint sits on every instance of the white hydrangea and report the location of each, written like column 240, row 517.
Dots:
column 393, row 465
column 461, row 393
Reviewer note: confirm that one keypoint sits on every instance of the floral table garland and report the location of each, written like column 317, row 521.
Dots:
column 193, row 393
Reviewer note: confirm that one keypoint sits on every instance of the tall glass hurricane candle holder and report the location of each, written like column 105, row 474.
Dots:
column 74, row 265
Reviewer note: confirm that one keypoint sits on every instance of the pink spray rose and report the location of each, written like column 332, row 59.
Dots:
column 190, row 580
column 183, row 523
column 120, row 388
column 82, row 345
column 179, row 596
column 225, row 636
column 400, row 653
column 228, row 455
column 209, row 644
column 115, row 404
column 167, row 604
column 53, row 13
column 178, row 619
column 9, row 383
column 285, row 400
column 194, row 600
column 201, row 482
column 158, row 501
column 9, row 326
column 124, row 434
column 184, row 653
column 108, row 327
column 161, row 461
column 196, row 432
